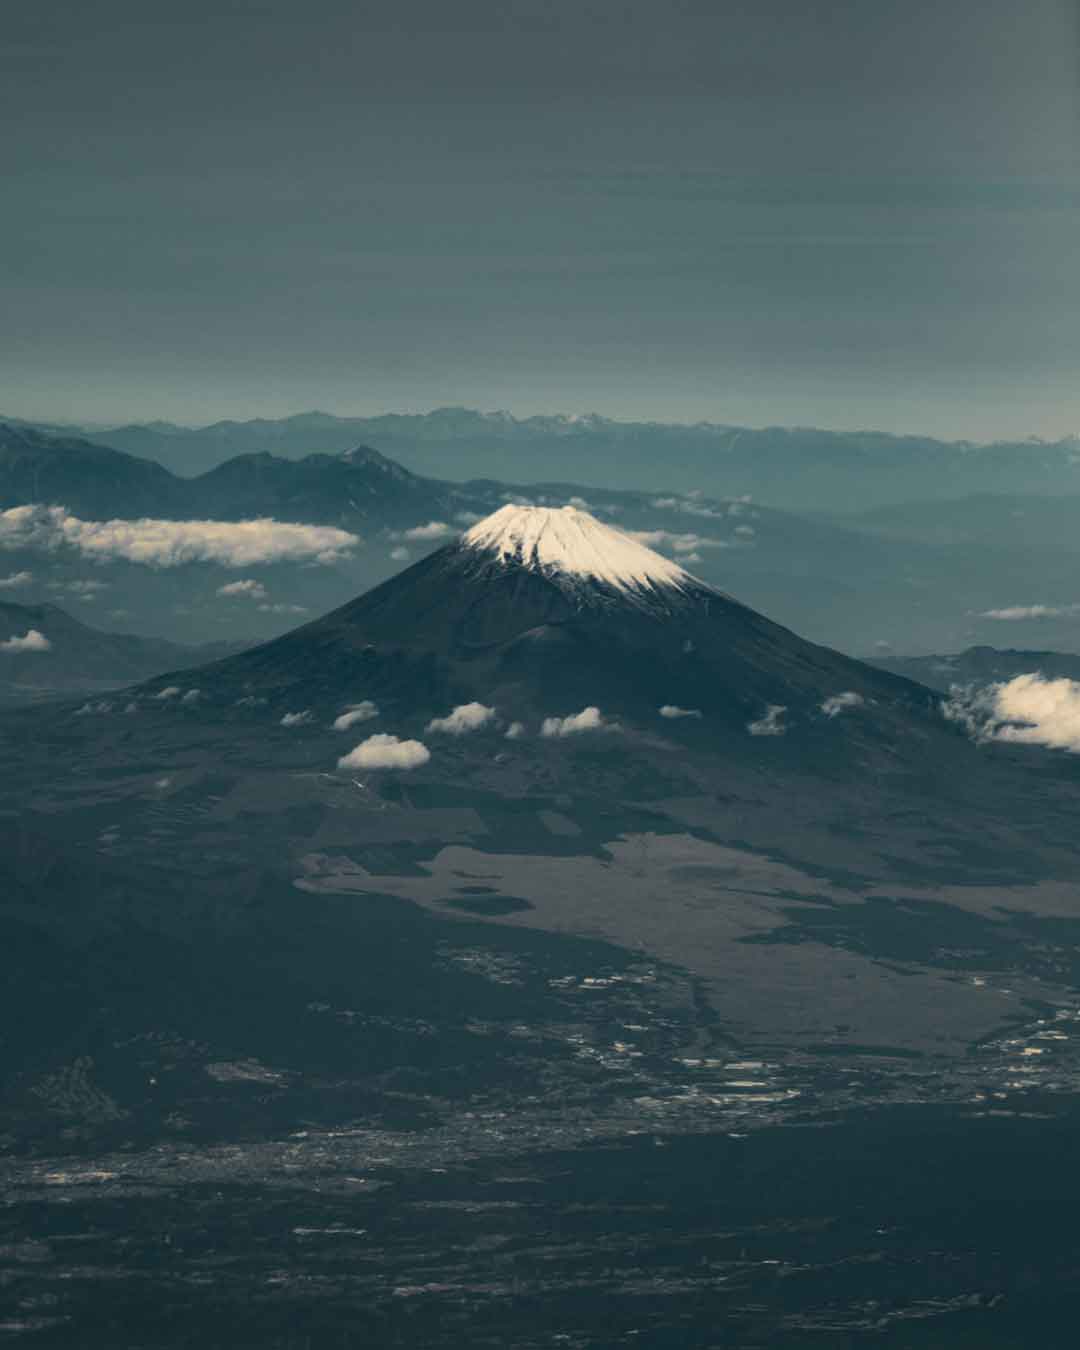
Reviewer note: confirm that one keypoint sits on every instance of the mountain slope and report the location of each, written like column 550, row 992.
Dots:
column 88, row 478
column 71, row 656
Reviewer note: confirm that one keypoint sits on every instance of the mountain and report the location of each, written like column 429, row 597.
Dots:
column 980, row 666
column 544, row 612
column 358, row 486
column 45, row 652
column 99, row 482
column 75, row 472
column 796, row 467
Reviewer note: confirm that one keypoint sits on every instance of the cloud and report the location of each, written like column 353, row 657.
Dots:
column 681, row 544
column 772, row 724
column 467, row 517
column 672, row 711
column 1017, row 613
column 283, row 609
column 250, row 701
column 86, row 587
column 31, row 641
column 170, row 691
column 690, row 505
column 838, row 703
column 171, row 543
column 400, row 554
column 589, row 719
column 386, row 752
column 361, row 712
column 434, row 529
column 16, row 579
column 192, row 696
column 515, row 731
column 465, row 717
column 298, row 719
column 99, row 709
column 249, row 589
column 1029, row 710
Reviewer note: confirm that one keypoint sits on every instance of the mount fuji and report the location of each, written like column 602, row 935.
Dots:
column 543, row 611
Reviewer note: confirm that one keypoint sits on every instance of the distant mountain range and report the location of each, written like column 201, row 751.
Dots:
column 981, row 666
column 803, row 468
column 100, row 482
column 44, row 652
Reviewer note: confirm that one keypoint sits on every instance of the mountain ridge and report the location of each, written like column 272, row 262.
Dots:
column 803, row 467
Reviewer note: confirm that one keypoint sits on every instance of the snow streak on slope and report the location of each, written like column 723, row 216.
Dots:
column 572, row 542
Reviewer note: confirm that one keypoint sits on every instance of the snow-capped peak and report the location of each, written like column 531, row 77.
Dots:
column 571, row 542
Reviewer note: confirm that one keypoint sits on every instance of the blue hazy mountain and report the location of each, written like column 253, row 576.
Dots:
column 800, row 467
column 67, row 656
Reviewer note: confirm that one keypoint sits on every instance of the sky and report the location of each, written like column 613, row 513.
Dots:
column 850, row 213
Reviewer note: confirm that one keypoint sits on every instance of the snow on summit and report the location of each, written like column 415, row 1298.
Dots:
column 574, row 543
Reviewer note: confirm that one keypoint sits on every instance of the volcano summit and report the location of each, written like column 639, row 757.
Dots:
column 568, row 544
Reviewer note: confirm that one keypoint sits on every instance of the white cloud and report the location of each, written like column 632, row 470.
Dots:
column 362, row 712
column 283, row 609
column 192, row 696
column 171, row 543
column 16, row 579
column 1017, row 613
column 467, row 517
column 250, row 701
column 99, row 709
column 386, row 752
column 31, row 641
column 672, row 711
column 400, row 554
column 772, row 724
column 1029, row 709
column 434, row 529
column 680, row 544
column 249, row 589
column 170, row 691
column 835, row 704
column 298, row 719
column 515, row 731
column 465, row 717
column 589, row 719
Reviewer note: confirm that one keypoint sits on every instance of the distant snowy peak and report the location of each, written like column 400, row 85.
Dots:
column 568, row 542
